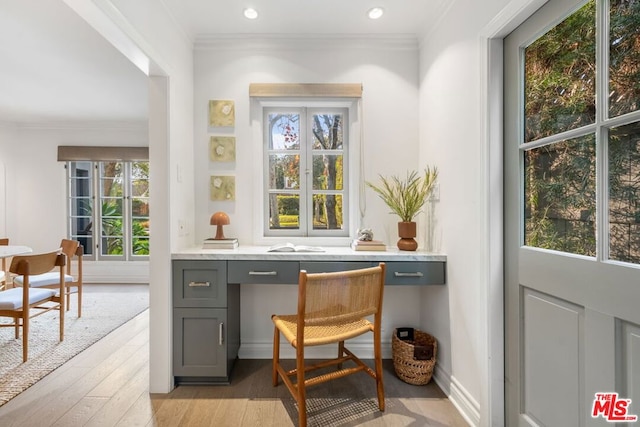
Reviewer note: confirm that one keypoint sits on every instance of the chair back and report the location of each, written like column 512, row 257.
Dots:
column 29, row 265
column 70, row 249
column 329, row 298
column 4, row 242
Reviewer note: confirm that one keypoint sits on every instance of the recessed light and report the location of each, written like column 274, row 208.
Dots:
column 375, row 13
column 250, row 13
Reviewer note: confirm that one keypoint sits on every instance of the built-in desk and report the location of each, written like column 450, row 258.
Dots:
column 206, row 294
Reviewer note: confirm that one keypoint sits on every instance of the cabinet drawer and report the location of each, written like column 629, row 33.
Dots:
column 415, row 273
column 329, row 267
column 264, row 272
column 199, row 283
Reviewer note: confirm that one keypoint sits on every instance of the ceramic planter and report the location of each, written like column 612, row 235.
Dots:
column 407, row 232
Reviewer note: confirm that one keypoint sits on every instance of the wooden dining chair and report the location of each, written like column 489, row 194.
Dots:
column 332, row 308
column 72, row 278
column 25, row 303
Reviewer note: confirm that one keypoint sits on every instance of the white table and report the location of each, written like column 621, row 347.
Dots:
column 12, row 250
column 9, row 251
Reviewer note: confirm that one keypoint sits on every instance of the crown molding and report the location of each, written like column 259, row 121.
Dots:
column 305, row 41
column 133, row 125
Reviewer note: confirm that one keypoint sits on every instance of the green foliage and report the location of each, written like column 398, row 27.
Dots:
column 288, row 205
column 405, row 197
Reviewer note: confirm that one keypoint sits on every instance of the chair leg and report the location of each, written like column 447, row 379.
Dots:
column 302, row 392
column 25, row 335
column 276, row 356
column 340, row 353
column 79, row 301
column 62, row 310
column 378, row 362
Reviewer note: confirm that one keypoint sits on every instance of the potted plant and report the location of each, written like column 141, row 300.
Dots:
column 406, row 197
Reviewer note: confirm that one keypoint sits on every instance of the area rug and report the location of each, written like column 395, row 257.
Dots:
column 102, row 312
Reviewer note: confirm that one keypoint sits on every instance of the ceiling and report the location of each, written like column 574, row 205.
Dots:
column 60, row 69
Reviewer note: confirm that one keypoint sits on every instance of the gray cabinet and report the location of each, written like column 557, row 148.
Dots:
column 206, row 322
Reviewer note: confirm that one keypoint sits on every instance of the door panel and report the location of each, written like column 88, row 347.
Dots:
column 571, row 316
column 552, row 340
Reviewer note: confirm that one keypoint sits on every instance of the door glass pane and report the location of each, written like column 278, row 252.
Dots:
column 624, row 57
column 284, row 211
column 139, row 208
column 327, row 131
column 560, row 77
column 81, row 203
column 560, row 185
column 111, row 199
column 624, row 193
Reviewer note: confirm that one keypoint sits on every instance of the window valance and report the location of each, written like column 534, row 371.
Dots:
column 70, row 153
column 325, row 90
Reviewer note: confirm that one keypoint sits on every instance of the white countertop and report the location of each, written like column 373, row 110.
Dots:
column 331, row 253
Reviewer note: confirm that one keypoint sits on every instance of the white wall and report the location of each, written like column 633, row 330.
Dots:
column 453, row 134
column 148, row 24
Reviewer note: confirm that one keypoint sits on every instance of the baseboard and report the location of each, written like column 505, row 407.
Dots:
column 115, row 272
column 458, row 396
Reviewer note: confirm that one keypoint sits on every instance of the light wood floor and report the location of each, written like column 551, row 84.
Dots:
column 107, row 385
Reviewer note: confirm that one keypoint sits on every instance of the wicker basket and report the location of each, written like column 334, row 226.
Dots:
column 408, row 369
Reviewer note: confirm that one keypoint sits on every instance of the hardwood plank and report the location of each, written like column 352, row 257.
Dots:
column 113, row 383
column 81, row 412
column 140, row 413
column 112, row 411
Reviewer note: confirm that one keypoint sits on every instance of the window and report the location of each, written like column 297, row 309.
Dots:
column 108, row 205
column 582, row 134
column 306, row 171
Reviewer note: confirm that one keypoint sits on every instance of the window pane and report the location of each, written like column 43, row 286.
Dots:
column 80, row 169
column 560, row 197
column 112, row 246
column 284, row 171
column 140, row 246
column 327, row 131
column 327, row 172
column 327, row 212
column 284, row 131
column 560, row 77
column 140, row 207
column 624, row 57
column 624, row 193
column 284, row 211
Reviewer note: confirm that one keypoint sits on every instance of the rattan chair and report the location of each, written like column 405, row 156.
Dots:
column 332, row 308
column 72, row 278
column 24, row 303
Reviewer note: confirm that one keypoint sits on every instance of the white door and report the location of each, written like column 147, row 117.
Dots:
column 572, row 215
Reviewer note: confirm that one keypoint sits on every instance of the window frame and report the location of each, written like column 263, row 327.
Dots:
column 352, row 169
column 601, row 129
column 95, row 195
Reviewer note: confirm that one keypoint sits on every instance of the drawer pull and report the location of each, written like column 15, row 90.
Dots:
column 399, row 274
column 263, row 273
column 199, row 284
column 221, row 334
